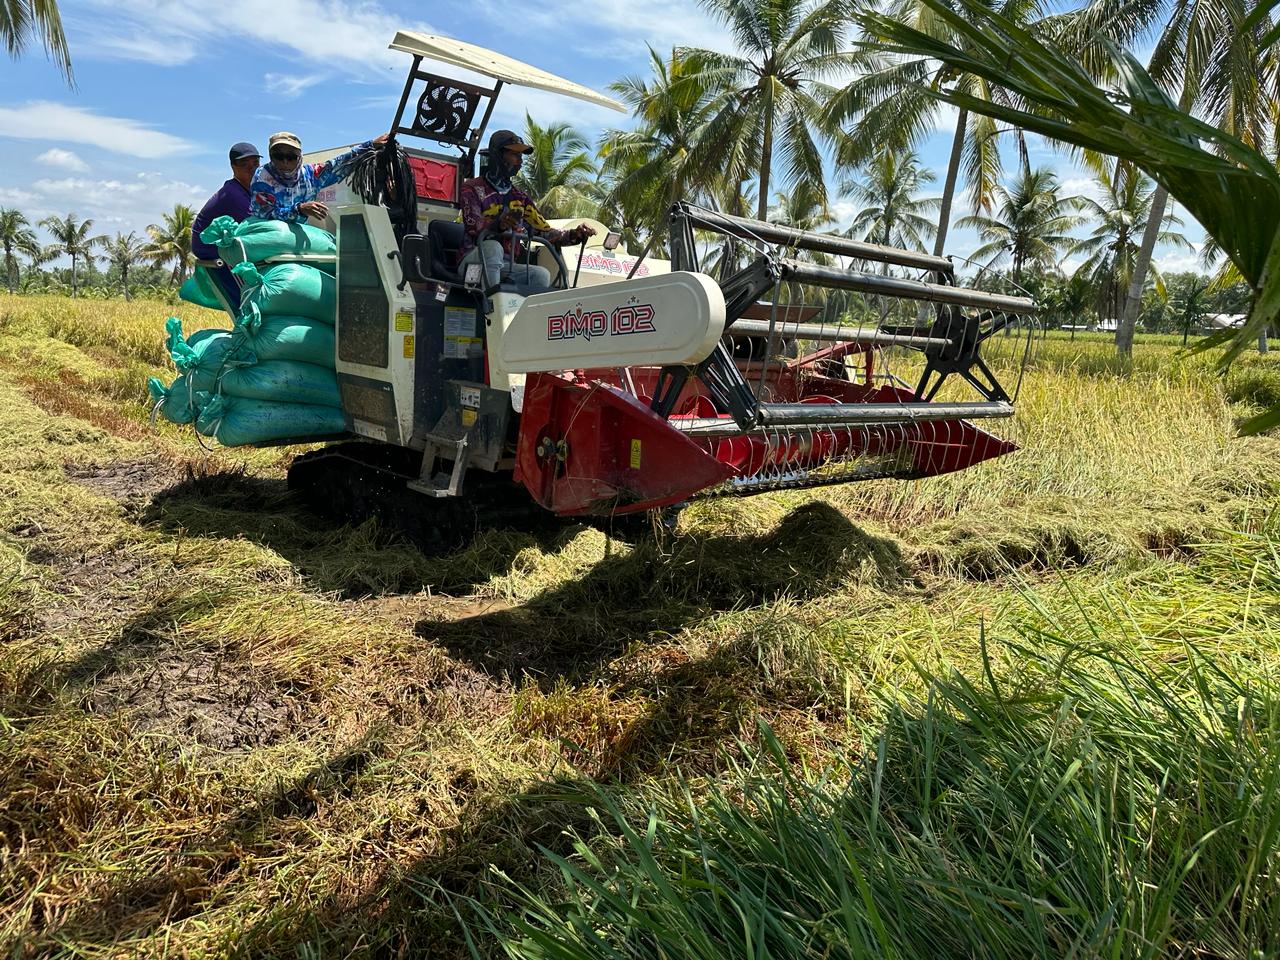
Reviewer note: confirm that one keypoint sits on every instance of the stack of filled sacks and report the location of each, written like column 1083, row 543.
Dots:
column 272, row 376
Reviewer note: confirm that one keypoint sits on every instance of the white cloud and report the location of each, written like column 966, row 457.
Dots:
column 65, row 159
column 944, row 121
column 114, row 205
column 16, row 197
column 1180, row 259
column 1083, row 187
column 288, row 87
column 46, row 120
column 546, row 107
column 843, row 211
column 347, row 34
column 623, row 29
column 167, row 50
column 352, row 35
column 141, row 185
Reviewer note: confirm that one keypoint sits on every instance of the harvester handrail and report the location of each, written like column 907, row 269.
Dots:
column 908, row 289
column 834, row 333
column 773, row 416
column 747, row 229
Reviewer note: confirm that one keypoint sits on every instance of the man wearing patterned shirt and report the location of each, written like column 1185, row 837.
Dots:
column 286, row 188
column 497, row 214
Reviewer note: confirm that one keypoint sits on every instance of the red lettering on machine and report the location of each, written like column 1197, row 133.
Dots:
column 611, row 264
column 626, row 319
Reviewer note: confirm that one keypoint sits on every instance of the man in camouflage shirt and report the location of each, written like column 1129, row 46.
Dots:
column 493, row 205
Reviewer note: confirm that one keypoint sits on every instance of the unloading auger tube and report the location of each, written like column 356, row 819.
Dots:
column 780, row 400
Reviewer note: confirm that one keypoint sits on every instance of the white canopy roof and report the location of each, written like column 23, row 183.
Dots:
column 458, row 53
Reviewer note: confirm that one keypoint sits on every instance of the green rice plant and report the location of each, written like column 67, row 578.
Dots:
column 1077, row 801
column 126, row 330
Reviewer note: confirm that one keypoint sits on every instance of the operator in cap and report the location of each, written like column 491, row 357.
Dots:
column 496, row 214
column 286, row 188
column 231, row 200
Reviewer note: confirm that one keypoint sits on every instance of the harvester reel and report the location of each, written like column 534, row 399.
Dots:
column 961, row 356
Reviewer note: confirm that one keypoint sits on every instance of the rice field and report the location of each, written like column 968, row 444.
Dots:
column 1030, row 709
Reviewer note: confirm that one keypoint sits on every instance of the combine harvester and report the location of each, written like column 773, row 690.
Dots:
column 635, row 383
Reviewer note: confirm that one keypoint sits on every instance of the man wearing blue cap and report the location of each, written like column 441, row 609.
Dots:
column 231, row 200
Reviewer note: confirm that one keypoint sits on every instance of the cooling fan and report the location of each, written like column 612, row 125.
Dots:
column 444, row 112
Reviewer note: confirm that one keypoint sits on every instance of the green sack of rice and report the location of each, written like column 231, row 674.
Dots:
column 261, row 338
column 256, row 240
column 199, row 289
column 237, row 422
column 203, row 355
column 179, row 402
column 288, row 289
column 285, row 380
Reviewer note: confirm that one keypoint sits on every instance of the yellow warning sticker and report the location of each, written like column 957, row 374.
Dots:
column 468, row 416
column 404, row 322
column 635, row 454
column 408, row 347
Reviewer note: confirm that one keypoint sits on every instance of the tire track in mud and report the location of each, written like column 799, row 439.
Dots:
column 116, row 611
column 120, row 606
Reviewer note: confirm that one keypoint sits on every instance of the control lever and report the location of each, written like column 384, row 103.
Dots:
column 582, row 249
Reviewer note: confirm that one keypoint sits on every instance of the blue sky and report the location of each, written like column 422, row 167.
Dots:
column 163, row 89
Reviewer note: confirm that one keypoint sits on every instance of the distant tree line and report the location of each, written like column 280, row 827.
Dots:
column 123, row 265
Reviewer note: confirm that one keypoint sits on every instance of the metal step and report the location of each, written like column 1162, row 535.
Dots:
column 442, row 484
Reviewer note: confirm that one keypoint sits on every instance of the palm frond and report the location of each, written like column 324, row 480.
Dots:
column 23, row 20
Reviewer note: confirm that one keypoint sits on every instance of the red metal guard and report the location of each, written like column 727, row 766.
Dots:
column 587, row 448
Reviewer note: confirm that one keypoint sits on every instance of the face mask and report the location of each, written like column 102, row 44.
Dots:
column 499, row 172
column 288, row 180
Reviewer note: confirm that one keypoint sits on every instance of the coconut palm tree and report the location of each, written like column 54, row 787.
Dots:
column 559, row 172
column 646, row 169
column 71, row 239
column 1112, row 249
column 888, row 104
column 1071, row 299
column 122, row 252
column 892, row 213
column 37, row 256
column 1233, row 190
column 769, row 96
column 804, row 208
column 1214, row 58
column 171, row 242
column 15, row 236
column 1031, row 224
column 23, row 20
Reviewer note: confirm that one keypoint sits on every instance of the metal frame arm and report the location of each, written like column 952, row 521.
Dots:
column 789, row 237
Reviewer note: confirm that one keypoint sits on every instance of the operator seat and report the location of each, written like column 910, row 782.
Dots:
column 445, row 238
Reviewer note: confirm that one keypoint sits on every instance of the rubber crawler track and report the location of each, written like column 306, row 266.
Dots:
column 353, row 482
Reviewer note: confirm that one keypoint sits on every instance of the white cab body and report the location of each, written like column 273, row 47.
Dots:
column 673, row 318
